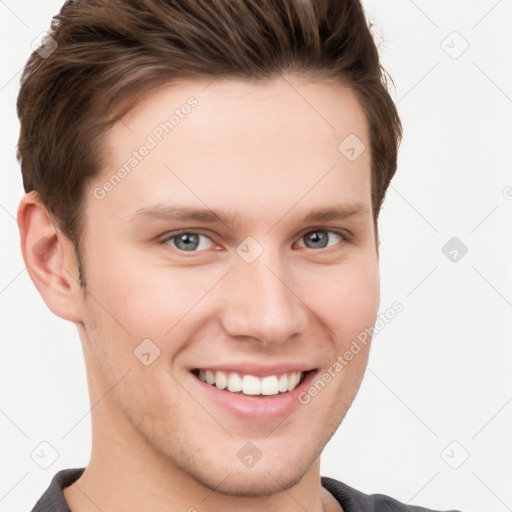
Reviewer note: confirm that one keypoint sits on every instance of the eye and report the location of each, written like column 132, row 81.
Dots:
column 321, row 238
column 189, row 241
column 192, row 241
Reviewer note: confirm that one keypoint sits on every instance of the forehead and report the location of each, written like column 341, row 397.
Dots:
column 225, row 142
column 320, row 105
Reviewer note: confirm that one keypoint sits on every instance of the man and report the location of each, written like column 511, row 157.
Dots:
column 203, row 181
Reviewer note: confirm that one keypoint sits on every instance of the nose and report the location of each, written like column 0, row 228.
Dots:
column 262, row 300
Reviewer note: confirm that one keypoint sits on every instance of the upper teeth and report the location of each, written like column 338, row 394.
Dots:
column 249, row 384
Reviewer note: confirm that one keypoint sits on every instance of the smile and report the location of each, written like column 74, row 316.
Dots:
column 236, row 382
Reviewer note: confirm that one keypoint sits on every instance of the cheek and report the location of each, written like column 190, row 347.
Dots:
column 143, row 298
column 348, row 300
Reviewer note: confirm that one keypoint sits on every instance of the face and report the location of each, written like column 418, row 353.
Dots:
column 238, row 246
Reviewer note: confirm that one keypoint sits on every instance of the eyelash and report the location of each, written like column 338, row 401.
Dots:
column 344, row 239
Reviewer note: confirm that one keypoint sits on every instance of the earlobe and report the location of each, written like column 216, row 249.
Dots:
column 49, row 258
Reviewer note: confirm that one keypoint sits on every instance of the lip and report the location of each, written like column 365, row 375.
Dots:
column 259, row 408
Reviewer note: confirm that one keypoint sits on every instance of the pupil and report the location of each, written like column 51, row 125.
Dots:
column 189, row 241
column 318, row 238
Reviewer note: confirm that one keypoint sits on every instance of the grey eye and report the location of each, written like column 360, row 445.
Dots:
column 190, row 242
column 320, row 239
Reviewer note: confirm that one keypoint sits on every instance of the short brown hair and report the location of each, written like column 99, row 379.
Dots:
column 109, row 50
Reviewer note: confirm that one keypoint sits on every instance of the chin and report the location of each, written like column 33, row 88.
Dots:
column 252, row 482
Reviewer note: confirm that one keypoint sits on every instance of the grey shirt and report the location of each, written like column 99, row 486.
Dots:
column 350, row 499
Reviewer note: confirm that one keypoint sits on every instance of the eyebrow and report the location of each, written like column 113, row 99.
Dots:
column 205, row 215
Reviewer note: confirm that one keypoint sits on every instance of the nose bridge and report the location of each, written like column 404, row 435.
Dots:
column 261, row 301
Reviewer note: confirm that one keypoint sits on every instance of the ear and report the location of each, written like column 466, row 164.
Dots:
column 50, row 259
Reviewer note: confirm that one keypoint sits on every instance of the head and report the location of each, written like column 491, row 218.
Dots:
column 266, row 116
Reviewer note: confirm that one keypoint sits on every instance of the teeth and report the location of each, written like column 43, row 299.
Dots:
column 210, row 377
column 221, row 380
column 251, row 385
column 293, row 380
column 269, row 385
column 235, row 383
column 282, row 384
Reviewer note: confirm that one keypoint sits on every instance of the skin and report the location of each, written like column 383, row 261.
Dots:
column 262, row 152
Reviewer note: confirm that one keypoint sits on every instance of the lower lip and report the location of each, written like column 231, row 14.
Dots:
column 256, row 407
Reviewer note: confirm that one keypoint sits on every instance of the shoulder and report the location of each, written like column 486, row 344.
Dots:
column 53, row 499
column 353, row 500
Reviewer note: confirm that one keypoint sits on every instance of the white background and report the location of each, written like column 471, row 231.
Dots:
column 438, row 387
